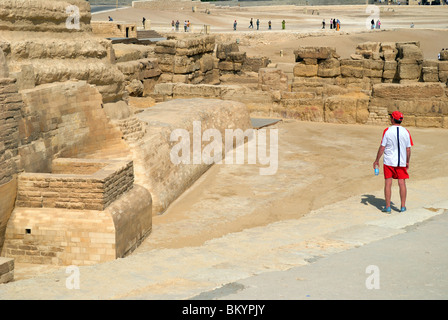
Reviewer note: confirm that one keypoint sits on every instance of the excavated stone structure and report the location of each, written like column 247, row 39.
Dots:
column 80, row 173
column 327, row 88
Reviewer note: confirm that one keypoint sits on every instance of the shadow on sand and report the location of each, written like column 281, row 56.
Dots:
column 369, row 199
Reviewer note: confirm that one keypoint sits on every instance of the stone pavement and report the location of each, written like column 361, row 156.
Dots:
column 278, row 261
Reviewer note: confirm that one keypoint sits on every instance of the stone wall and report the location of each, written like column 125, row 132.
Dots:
column 10, row 116
column 187, row 60
column 63, row 120
column 114, row 29
column 79, row 188
column 6, row 270
column 232, row 61
column 153, row 166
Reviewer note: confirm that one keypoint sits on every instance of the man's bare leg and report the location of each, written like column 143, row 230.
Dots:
column 403, row 192
column 387, row 191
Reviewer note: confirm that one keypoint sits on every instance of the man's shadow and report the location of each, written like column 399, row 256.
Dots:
column 369, row 199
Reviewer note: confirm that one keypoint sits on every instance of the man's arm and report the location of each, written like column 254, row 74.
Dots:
column 408, row 157
column 378, row 156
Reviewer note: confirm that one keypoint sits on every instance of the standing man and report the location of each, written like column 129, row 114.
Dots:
column 396, row 147
column 258, row 24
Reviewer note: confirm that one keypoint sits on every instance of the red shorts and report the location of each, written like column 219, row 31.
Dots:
column 395, row 172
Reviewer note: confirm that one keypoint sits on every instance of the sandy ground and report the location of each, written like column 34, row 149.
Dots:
column 431, row 27
column 319, row 163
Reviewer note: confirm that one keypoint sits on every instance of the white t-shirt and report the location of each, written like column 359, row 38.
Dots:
column 396, row 139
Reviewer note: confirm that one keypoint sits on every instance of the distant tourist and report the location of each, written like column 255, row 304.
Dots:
column 185, row 25
column 323, row 24
column 258, row 24
column 331, row 23
column 234, row 25
column 378, row 24
column 334, row 24
column 143, row 22
column 372, row 24
column 338, row 25
column 177, row 25
column 269, row 25
column 173, row 24
column 110, row 19
column 188, row 25
column 412, row 24
column 283, row 24
column 251, row 23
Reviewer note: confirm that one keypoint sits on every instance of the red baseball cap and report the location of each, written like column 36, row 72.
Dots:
column 397, row 115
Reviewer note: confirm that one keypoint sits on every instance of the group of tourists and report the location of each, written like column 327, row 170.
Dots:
column 374, row 25
column 175, row 25
column 334, row 24
column 251, row 24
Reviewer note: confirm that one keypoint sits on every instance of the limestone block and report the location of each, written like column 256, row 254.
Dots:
column 4, row 72
column 390, row 65
column 206, row 63
column 409, row 70
column 184, row 64
column 164, row 89
column 135, row 88
column 389, row 51
column 223, row 49
column 6, row 270
column 443, row 71
column 236, row 56
column 373, row 68
column 304, row 109
column 444, row 55
column 226, row 66
column 348, row 108
column 424, row 107
column 254, row 64
column 352, row 68
column 415, row 90
column 430, row 74
column 429, row 122
column 354, row 83
column 314, row 53
column 212, row 77
column 272, row 79
column 410, row 52
column 369, row 50
column 329, row 68
column 305, row 70
column 117, row 110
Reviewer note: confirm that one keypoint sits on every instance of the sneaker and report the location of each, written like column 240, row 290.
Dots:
column 386, row 209
column 403, row 209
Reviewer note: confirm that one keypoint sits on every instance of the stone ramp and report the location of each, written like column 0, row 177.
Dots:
column 185, row 273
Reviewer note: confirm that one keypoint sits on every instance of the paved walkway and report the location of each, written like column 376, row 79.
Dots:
column 321, row 251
